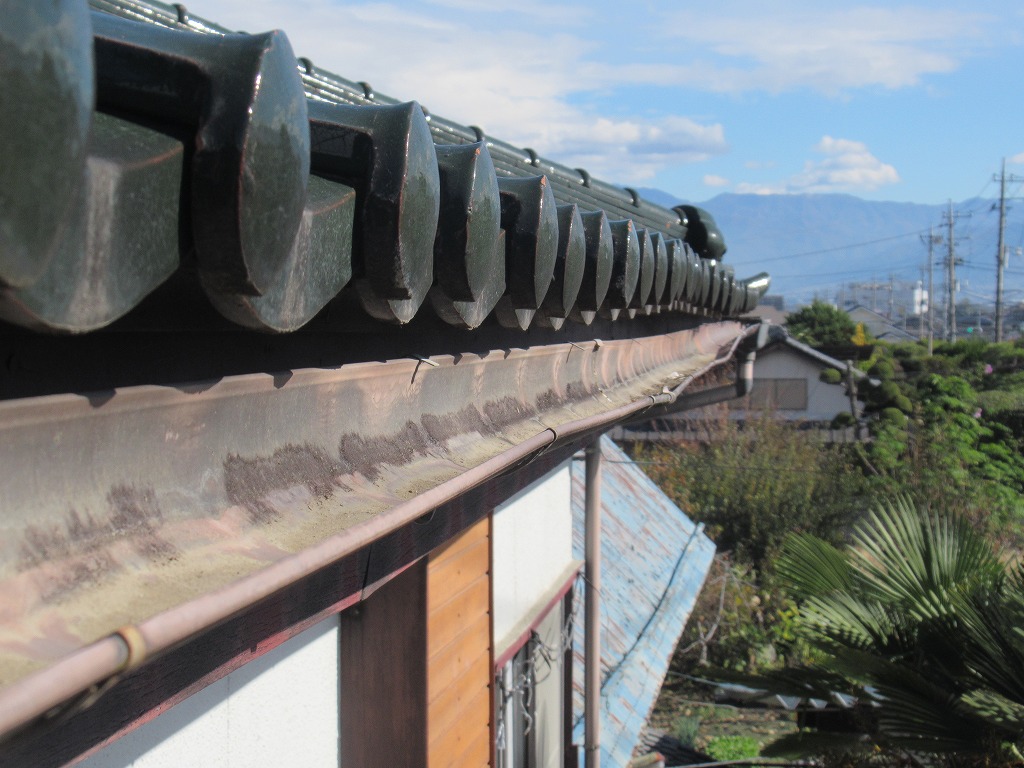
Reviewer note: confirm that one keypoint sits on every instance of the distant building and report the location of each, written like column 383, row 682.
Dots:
column 787, row 382
column 878, row 326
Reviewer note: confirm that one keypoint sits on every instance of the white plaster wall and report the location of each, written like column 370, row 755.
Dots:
column 278, row 710
column 824, row 401
column 531, row 550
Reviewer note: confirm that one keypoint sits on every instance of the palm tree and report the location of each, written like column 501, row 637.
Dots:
column 920, row 620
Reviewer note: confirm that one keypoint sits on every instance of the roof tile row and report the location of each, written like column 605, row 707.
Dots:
column 284, row 186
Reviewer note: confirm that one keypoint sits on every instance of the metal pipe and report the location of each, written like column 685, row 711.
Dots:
column 592, row 631
column 756, row 337
column 97, row 666
column 119, row 653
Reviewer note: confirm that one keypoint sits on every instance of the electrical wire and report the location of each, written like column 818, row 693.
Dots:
column 524, row 676
column 833, row 249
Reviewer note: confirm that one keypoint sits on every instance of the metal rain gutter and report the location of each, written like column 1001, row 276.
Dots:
column 87, row 673
column 755, row 339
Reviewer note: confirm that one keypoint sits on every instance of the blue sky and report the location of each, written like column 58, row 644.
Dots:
column 894, row 101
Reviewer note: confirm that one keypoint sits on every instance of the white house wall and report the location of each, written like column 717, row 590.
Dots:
column 824, row 401
column 279, row 710
column 531, row 553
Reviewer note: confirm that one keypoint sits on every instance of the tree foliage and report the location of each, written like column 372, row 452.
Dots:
column 822, row 325
column 754, row 485
column 958, row 446
column 920, row 620
column 910, row 611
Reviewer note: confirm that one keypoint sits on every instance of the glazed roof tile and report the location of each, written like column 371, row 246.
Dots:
column 281, row 187
column 144, row 176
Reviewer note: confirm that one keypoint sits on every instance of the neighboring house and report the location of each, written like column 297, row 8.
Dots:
column 770, row 314
column 294, row 376
column 788, row 384
column 878, row 326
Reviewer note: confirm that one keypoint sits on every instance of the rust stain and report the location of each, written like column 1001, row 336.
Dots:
column 508, row 410
column 78, row 552
column 549, row 400
column 365, row 455
column 577, row 391
column 135, row 514
column 443, row 428
column 248, row 481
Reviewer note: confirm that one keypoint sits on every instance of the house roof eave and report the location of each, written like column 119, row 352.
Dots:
column 188, row 508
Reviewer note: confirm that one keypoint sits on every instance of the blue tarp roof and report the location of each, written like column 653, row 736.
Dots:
column 654, row 562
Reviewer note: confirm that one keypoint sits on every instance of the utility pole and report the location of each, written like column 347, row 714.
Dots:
column 920, row 307
column 1001, row 248
column 950, row 276
column 932, row 241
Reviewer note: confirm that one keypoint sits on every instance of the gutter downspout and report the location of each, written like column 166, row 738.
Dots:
column 77, row 680
column 746, row 352
column 592, row 630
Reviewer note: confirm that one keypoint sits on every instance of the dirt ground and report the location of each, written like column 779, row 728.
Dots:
column 683, row 700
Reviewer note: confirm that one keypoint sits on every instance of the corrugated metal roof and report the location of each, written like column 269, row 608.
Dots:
column 278, row 188
column 654, row 560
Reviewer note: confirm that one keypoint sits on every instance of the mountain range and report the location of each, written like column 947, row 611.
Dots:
column 831, row 245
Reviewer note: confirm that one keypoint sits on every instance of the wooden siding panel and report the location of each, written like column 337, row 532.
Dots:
column 478, row 531
column 448, row 620
column 455, row 700
column 448, row 663
column 460, row 744
column 459, row 651
column 459, row 568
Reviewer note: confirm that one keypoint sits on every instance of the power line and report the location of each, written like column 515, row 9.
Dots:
column 871, row 270
column 833, row 249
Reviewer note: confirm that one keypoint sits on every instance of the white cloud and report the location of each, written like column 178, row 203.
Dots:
column 537, row 12
column 711, row 180
column 629, row 151
column 847, row 166
column 786, row 45
column 1017, row 159
column 748, row 188
column 516, row 81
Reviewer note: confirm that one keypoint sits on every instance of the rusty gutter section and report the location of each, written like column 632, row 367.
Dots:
column 630, row 372
column 745, row 347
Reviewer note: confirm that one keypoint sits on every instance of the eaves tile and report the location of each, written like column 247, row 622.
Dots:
column 281, row 188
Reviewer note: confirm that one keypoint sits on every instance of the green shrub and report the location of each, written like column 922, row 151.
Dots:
column 733, row 485
column 881, row 370
column 830, row 376
column 724, row 748
column 894, row 415
column 842, row 420
column 902, row 403
column 912, row 365
column 886, row 391
column 685, row 728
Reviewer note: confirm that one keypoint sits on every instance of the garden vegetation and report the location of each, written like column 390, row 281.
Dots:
column 885, row 569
